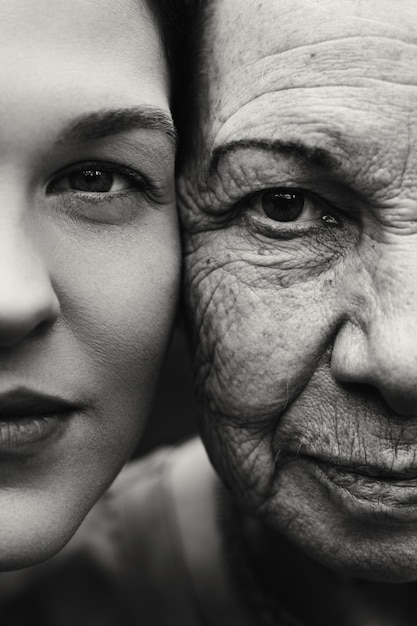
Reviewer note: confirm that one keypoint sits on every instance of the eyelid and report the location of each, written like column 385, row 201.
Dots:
column 141, row 182
column 309, row 196
column 248, row 172
column 269, row 226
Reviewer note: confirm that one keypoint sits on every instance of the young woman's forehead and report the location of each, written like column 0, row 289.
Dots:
column 106, row 17
column 64, row 61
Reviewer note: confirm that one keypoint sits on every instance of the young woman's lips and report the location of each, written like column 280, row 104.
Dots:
column 28, row 418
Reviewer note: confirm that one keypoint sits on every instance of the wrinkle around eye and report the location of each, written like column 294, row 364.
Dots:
column 243, row 173
column 213, row 194
column 211, row 201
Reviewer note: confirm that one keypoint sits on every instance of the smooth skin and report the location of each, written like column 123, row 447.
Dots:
column 89, row 250
column 304, row 309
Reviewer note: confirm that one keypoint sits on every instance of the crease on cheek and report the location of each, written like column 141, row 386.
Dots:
column 254, row 351
column 244, row 394
column 330, row 421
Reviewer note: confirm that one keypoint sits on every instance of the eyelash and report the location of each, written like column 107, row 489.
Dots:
column 330, row 218
column 138, row 181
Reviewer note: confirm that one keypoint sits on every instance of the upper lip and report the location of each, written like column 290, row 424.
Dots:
column 23, row 402
column 372, row 471
column 365, row 468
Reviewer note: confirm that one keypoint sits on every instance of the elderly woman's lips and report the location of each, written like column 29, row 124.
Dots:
column 382, row 488
column 366, row 471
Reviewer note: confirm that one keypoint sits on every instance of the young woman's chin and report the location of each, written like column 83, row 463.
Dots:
column 30, row 535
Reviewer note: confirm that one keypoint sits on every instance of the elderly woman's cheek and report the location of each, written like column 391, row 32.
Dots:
column 257, row 342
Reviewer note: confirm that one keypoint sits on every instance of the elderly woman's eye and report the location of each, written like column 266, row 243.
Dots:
column 285, row 205
column 93, row 180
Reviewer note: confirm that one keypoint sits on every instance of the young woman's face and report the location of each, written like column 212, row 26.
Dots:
column 89, row 256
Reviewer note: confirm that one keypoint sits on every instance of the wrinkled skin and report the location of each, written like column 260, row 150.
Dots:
column 305, row 331
column 88, row 275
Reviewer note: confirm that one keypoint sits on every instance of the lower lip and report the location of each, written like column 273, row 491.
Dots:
column 24, row 435
column 395, row 499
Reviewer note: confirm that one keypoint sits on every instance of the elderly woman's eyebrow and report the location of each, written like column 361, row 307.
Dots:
column 316, row 156
column 103, row 123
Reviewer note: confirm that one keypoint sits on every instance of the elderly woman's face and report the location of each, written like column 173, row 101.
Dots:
column 300, row 204
column 88, row 256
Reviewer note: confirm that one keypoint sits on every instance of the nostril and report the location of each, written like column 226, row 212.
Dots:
column 364, row 394
column 403, row 402
column 42, row 327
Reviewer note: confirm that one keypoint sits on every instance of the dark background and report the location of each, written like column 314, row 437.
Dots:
column 173, row 416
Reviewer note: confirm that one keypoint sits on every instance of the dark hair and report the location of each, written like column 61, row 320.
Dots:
column 191, row 24
column 169, row 16
column 181, row 24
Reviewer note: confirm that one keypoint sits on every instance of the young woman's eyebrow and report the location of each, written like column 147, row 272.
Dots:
column 98, row 124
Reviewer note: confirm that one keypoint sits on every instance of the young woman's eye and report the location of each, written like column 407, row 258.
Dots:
column 101, row 192
column 287, row 205
column 92, row 180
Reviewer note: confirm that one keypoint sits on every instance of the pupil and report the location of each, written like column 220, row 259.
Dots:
column 283, row 206
column 91, row 180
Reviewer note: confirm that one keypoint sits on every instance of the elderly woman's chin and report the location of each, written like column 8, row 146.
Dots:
column 398, row 564
column 314, row 516
column 393, row 562
column 333, row 527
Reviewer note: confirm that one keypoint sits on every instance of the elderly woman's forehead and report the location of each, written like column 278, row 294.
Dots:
column 247, row 50
column 242, row 31
column 285, row 23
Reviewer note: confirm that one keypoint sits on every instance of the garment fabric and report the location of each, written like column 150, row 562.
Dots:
column 148, row 554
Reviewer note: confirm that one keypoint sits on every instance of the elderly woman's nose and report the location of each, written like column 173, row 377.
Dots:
column 377, row 342
column 384, row 357
column 28, row 301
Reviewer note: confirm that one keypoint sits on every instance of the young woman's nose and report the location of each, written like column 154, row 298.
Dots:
column 28, row 302
column 377, row 343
